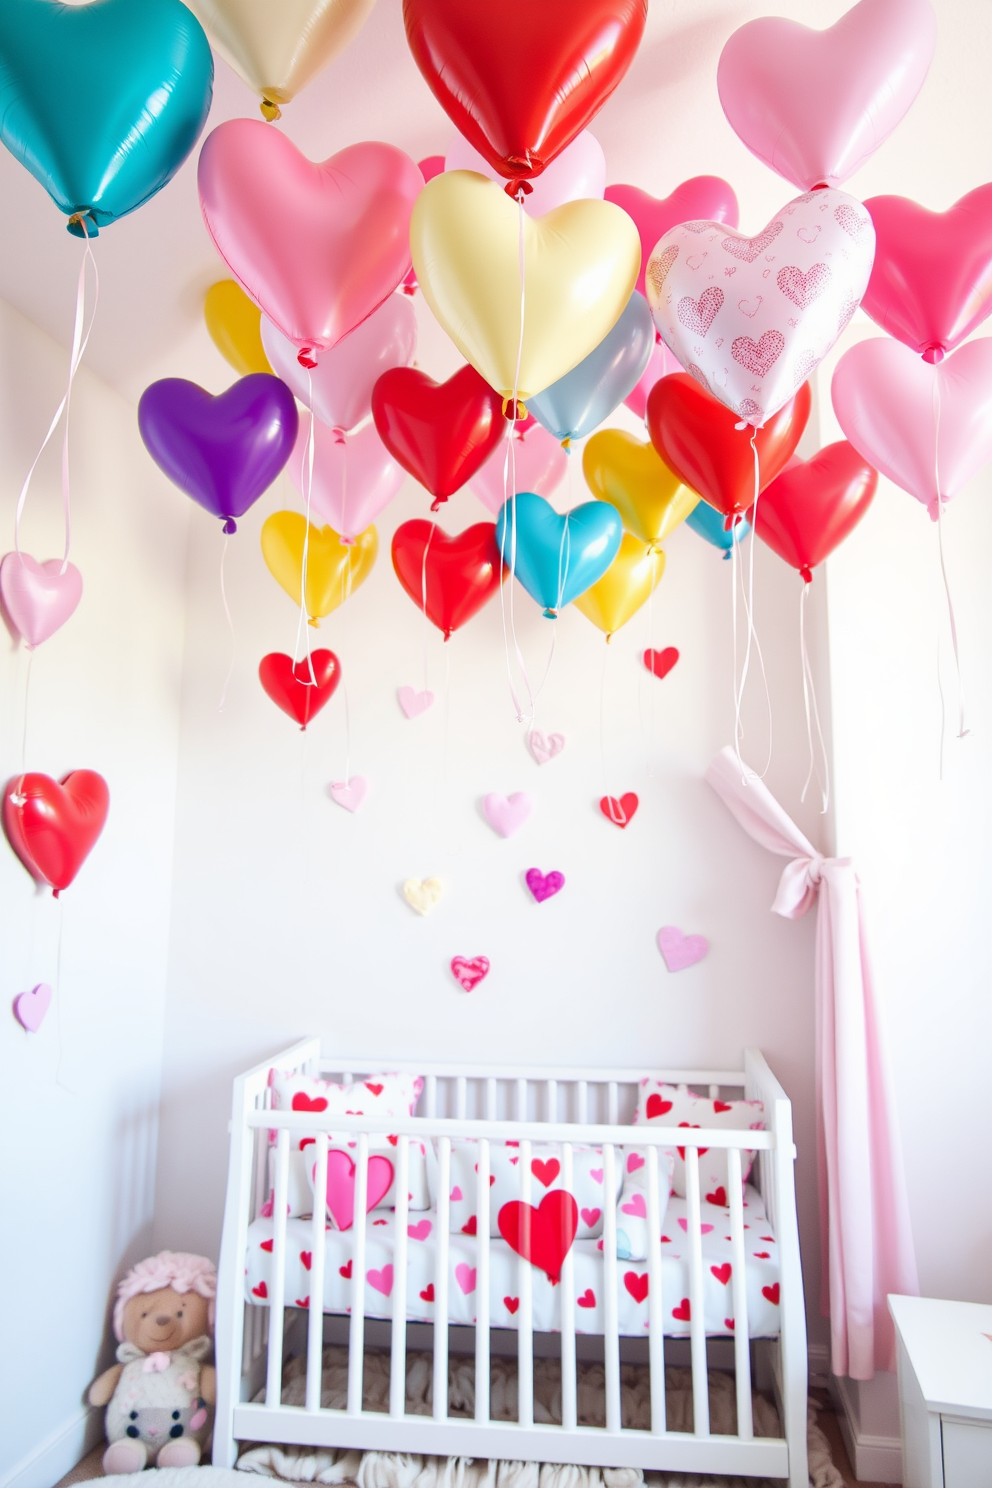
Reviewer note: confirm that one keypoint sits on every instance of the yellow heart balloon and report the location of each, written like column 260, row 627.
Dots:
column 278, row 46
column 334, row 568
column 632, row 476
column 580, row 265
column 630, row 579
column 234, row 324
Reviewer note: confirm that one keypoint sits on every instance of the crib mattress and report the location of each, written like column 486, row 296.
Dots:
column 762, row 1274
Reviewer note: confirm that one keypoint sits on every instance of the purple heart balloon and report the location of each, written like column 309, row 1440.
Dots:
column 223, row 451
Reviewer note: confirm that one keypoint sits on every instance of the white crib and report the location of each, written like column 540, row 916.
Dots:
column 499, row 1105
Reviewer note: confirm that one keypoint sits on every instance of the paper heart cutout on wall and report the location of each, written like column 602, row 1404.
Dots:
column 544, row 747
column 349, row 793
column 422, row 894
column 544, row 885
column 30, row 1007
column 469, row 972
column 620, row 812
column 660, row 663
column 291, row 688
column 53, row 827
column 413, row 702
column 505, row 814
column 38, row 597
column 679, row 950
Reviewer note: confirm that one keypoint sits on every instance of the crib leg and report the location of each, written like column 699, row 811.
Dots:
column 795, row 1407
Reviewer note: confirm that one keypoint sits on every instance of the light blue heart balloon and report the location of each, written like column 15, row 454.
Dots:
column 579, row 402
column 102, row 102
column 557, row 558
column 709, row 523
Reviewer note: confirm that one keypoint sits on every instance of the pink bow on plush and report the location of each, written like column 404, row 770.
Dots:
column 864, row 1213
column 156, row 1363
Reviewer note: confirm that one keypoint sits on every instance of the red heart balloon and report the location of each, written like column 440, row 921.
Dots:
column 544, row 1235
column 440, row 432
column 703, row 198
column 701, row 441
column 291, row 688
column 931, row 282
column 458, row 573
column 520, row 80
column 51, row 827
column 808, row 510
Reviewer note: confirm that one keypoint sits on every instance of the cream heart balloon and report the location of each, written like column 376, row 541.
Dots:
column 580, row 264
column 278, row 46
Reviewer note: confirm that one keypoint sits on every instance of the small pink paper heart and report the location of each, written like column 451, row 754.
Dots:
column 506, row 813
column 680, row 951
column 413, row 702
column 38, row 597
column 543, row 746
column 30, row 1008
column 468, row 973
column 544, row 885
column 349, row 793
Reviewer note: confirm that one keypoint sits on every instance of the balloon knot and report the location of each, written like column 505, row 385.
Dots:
column 303, row 728
column 305, row 357
column 609, row 636
column 657, row 339
column 314, row 621
column 518, row 189
column 726, row 556
column 230, row 527
column 83, row 225
column 270, row 111
column 55, row 893
column 346, row 542
column 437, row 503
column 519, row 412
column 551, row 614
column 447, row 636
column 933, row 354
column 807, row 574
column 410, row 289
column 338, row 435
column 566, row 445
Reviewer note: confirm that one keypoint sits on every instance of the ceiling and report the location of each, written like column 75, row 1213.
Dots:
column 663, row 124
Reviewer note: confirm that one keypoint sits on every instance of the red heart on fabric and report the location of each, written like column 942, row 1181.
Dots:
column 637, row 1284
column 459, row 574
column 683, row 1312
column 762, row 1255
column 345, row 1271
column 588, row 1298
column 427, row 1295
column 267, row 1245
column 723, row 1273
column 545, row 1172
column 290, row 686
column 440, row 432
column 717, row 1197
column 300, row 1302
column 53, row 827
column 543, row 1235
column 657, row 1106
column 375, row 1089
column 660, row 662
column 468, row 973
column 260, row 1291
column 306, row 1257
column 771, row 1293
column 729, row 1323
column 621, row 811
column 719, row 1105
column 303, row 1102
column 511, row 1303
column 471, row 1226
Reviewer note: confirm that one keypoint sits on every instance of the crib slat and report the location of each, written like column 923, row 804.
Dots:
column 612, row 1103
column 551, row 1087
column 656, row 1315
column 521, row 1112
column 318, row 1247
column 582, row 1100
column 482, row 1246
column 397, row 1354
column 441, row 1280
column 490, row 1099
column 742, row 1345
column 611, row 1336
column 277, row 1294
column 697, row 1321
column 525, row 1326
column 356, row 1331
column 430, row 1096
column 461, row 1086
column 567, row 1299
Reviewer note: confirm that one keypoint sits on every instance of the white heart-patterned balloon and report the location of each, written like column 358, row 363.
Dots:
column 751, row 317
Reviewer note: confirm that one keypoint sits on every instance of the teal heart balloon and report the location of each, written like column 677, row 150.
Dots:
column 102, row 102
column 557, row 558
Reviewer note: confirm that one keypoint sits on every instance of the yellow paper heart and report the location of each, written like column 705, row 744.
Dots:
column 580, row 265
column 632, row 576
column 632, row 476
column 422, row 894
column 334, row 568
column 234, row 325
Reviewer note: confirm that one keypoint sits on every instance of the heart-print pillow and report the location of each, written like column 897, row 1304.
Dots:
column 545, row 1177
column 673, row 1105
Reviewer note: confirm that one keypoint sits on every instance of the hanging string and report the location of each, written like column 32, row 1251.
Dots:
column 616, row 812
column 24, row 727
column 303, row 623
column 230, row 626
column 80, row 340
column 747, row 597
column 57, row 994
column 812, row 712
column 423, row 598
column 963, row 731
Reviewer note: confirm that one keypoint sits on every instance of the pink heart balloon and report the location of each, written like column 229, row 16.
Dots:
column 339, row 388
column 38, row 597
column 578, row 172
column 354, row 478
column 814, row 105
column 316, row 246
column 931, row 283
column 660, row 363
column 540, row 464
column 702, row 196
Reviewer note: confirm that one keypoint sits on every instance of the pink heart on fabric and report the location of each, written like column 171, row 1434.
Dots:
column 341, row 1185
column 469, row 973
column 704, row 1228
column 382, row 1281
column 30, row 1007
column 544, row 747
column 591, row 1217
column 636, row 1206
column 596, row 1174
column 506, row 814
column 420, row 1230
column 465, row 1277
column 540, row 464
column 544, row 885
column 680, row 951
column 634, row 1161
column 413, row 702
column 38, row 597
column 349, row 793
column 456, row 1194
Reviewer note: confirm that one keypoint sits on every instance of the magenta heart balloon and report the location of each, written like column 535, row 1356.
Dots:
column 39, row 597
column 316, row 246
column 354, row 476
column 339, row 388
column 814, row 105
column 702, row 196
column 539, row 461
column 931, row 283
column 929, row 429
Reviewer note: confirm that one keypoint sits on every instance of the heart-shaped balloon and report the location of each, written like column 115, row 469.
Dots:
column 339, row 387
column 702, row 197
column 814, row 105
column 557, row 558
column 38, row 597
column 887, row 401
column 441, row 432
column 354, row 477
column 429, row 167
column 753, row 336
column 316, row 246
column 537, row 463
column 808, row 510
column 578, row 173
column 519, row 80
column 931, row 283
column 103, row 102
column 701, row 441
column 234, row 323
column 449, row 577
column 224, row 451
column 579, row 402
column 334, row 569
column 627, row 584
column 706, row 522
column 291, row 686
column 632, row 476
column 278, row 49
column 661, row 364
column 53, row 827
column 580, row 264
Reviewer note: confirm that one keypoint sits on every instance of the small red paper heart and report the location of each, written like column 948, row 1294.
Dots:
column 427, row 1295
column 291, row 688
column 621, row 812
column 637, row 1284
column 683, row 1312
column 545, row 1172
column 657, row 1106
column 722, row 1273
column 588, row 1298
column 771, row 1293
column 511, row 1303
column 306, row 1257
column 660, row 662
column 345, row 1271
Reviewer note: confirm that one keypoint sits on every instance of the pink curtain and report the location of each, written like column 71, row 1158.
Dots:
column 864, row 1214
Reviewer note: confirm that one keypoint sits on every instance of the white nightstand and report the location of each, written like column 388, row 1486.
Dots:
column 945, row 1392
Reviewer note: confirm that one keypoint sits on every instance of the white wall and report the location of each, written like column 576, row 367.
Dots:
column 79, row 1099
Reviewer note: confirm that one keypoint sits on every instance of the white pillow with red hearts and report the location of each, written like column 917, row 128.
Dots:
column 671, row 1105
column 546, row 1177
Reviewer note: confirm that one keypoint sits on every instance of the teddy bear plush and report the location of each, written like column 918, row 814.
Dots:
column 161, row 1392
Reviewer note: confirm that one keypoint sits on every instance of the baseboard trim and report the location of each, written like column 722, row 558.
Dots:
column 818, row 1355
column 875, row 1459
column 58, row 1453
